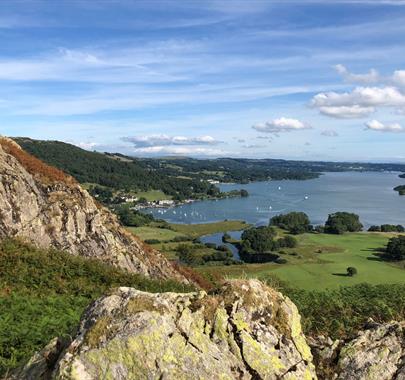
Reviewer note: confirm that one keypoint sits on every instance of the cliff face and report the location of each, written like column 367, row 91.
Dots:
column 244, row 331
column 45, row 207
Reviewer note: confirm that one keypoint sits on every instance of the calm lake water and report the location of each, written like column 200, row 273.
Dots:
column 368, row 194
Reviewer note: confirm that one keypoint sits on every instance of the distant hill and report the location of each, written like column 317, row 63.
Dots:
column 112, row 170
column 180, row 176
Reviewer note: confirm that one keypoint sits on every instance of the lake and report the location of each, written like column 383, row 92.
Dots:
column 368, row 194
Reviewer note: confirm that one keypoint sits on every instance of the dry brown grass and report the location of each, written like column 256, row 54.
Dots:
column 193, row 276
column 46, row 173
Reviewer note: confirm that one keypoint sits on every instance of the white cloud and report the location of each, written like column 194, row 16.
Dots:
column 179, row 150
column 375, row 125
column 329, row 133
column 371, row 77
column 281, row 124
column 398, row 78
column 347, row 112
column 159, row 141
column 361, row 102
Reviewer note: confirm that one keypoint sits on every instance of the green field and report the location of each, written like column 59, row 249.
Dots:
column 148, row 232
column 197, row 230
column 152, row 195
column 321, row 263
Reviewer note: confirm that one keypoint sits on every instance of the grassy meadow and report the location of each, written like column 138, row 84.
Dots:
column 320, row 261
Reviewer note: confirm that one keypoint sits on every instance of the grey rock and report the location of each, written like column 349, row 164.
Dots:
column 244, row 331
column 49, row 212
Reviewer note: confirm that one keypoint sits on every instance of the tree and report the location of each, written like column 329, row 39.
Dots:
column 341, row 222
column 258, row 240
column 351, row 271
column 244, row 193
column 294, row 222
column 396, row 248
column 374, row 229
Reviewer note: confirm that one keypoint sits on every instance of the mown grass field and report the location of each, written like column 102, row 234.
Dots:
column 153, row 195
column 197, row 230
column 321, row 263
column 149, row 232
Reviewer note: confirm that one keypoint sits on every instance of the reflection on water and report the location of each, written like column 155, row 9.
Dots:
column 368, row 194
column 217, row 239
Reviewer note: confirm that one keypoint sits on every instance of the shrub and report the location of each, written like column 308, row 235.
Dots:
column 177, row 239
column 152, row 241
column 351, row 271
column 288, row 242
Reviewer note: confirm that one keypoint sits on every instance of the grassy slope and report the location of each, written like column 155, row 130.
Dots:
column 197, row 230
column 43, row 294
column 318, row 271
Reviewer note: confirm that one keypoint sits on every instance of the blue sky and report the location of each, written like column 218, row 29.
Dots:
column 300, row 79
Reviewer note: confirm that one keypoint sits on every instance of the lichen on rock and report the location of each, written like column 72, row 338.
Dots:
column 228, row 334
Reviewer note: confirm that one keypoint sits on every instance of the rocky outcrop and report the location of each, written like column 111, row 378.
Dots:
column 43, row 206
column 377, row 353
column 243, row 331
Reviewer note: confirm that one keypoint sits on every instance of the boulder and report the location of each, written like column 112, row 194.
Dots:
column 245, row 330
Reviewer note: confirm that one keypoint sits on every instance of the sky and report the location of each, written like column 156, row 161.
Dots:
column 310, row 80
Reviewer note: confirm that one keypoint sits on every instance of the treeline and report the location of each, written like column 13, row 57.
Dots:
column 243, row 170
column 114, row 171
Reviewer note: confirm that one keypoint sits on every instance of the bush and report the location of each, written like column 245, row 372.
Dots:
column 294, row 222
column 288, row 242
column 178, row 239
column 374, row 229
column 281, row 261
column 152, row 241
column 351, row 271
column 341, row 222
